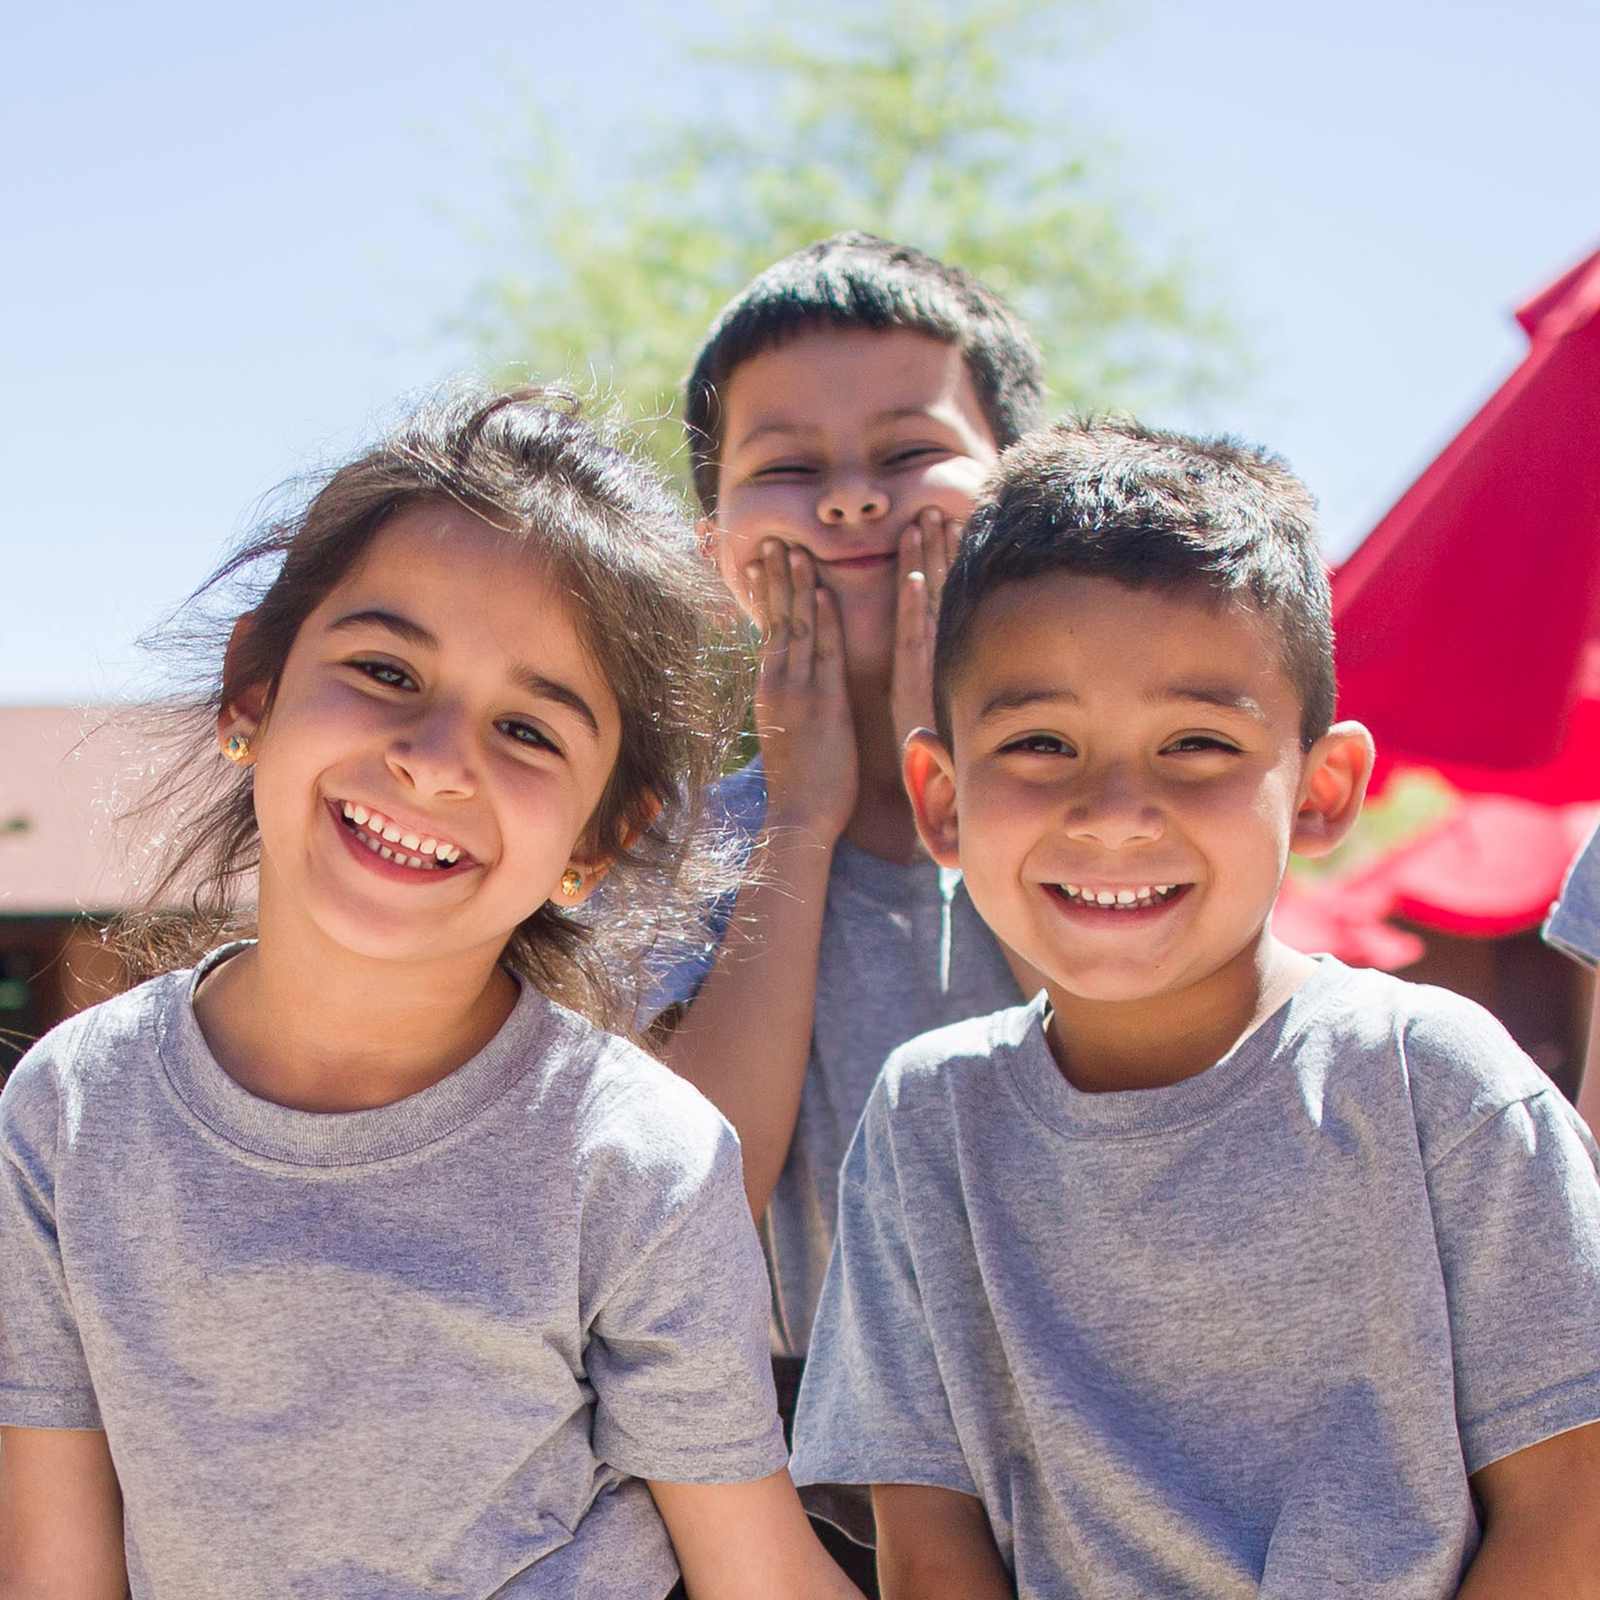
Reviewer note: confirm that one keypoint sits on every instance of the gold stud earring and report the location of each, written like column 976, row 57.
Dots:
column 237, row 748
column 571, row 882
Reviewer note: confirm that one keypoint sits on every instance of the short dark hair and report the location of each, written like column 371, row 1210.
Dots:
column 1114, row 499
column 857, row 280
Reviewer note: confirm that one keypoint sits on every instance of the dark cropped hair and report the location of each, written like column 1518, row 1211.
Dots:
column 648, row 608
column 857, row 280
column 1114, row 499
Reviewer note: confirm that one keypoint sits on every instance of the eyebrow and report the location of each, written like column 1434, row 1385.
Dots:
column 1024, row 696
column 535, row 683
column 798, row 429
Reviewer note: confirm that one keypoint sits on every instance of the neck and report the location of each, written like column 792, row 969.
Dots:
column 1156, row 1042
column 881, row 823
column 307, row 1024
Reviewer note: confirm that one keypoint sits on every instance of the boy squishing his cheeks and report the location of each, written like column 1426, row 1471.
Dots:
column 1217, row 1270
column 842, row 415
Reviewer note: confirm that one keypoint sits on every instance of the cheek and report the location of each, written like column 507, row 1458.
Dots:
column 955, row 484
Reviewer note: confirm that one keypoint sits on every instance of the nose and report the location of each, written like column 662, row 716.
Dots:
column 433, row 754
column 1113, row 810
column 851, row 497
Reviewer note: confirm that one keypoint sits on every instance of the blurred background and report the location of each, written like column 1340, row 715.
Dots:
column 234, row 238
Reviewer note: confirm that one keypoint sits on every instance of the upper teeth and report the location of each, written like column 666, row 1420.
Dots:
column 414, row 848
column 1120, row 897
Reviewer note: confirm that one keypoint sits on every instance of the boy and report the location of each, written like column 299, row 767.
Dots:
column 1217, row 1270
column 841, row 416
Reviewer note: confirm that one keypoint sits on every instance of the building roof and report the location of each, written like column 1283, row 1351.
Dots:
column 60, row 851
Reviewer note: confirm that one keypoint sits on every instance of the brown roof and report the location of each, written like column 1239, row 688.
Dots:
column 59, row 850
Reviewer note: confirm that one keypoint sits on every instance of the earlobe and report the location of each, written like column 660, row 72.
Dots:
column 244, row 706
column 1337, row 770
column 930, row 782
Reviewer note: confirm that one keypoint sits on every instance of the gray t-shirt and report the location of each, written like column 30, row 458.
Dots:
column 423, row 1350
column 1574, row 921
column 902, row 951
column 1245, row 1335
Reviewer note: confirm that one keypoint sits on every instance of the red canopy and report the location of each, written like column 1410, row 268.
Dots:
column 1463, row 617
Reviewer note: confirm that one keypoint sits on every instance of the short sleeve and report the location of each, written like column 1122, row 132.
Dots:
column 873, row 1406
column 44, row 1379
column 1574, row 922
column 1516, row 1207
column 678, row 1348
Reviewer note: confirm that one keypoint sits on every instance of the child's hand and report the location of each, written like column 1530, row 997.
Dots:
column 927, row 547
column 808, row 741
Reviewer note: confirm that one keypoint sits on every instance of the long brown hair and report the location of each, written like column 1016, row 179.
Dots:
column 653, row 616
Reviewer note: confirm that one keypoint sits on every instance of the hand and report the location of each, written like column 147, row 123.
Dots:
column 808, row 740
column 927, row 548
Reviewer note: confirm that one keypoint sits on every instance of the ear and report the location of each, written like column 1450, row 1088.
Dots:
column 245, row 708
column 1332, row 788
column 930, row 779
column 593, row 865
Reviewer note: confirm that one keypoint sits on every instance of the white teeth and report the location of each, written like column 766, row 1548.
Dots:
column 1125, row 897
column 391, row 834
column 409, row 840
column 413, row 861
column 358, row 814
column 386, row 852
column 349, row 810
column 427, row 845
column 373, row 845
column 1107, row 897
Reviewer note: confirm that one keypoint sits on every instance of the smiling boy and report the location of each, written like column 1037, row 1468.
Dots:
column 1218, row 1270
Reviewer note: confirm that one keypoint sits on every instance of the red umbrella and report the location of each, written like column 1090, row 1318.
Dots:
column 1463, row 617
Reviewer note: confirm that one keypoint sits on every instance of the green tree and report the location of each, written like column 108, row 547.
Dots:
column 936, row 122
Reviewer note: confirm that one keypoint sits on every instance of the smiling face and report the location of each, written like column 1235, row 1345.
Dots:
column 437, row 743
column 1127, row 782
column 834, row 441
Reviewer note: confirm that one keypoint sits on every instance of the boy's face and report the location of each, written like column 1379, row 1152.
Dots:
column 835, row 441
column 1126, row 784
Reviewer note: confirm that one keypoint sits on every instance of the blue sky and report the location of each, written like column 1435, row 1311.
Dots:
column 235, row 235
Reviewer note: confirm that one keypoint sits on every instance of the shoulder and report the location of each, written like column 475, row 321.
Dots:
column 739, row 801
column 632, row 1112
column 79, row 1063
column 927, row 1074
column 1461, row 1067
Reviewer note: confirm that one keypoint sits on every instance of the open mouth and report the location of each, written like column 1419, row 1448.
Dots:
column 389, row 841
column 1121, row 901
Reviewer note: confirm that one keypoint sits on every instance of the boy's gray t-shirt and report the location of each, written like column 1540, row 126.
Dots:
column 423, row 1350
column 903, row 950
column 1574, row 921
column 1245, row 1335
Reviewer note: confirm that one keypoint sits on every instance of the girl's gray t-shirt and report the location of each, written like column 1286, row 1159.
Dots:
column 903, row 950
column 1244, row 1336
column 428, row 1349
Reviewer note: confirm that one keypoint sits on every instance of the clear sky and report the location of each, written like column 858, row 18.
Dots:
column 233, row 236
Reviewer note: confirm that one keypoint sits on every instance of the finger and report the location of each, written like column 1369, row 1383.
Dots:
column 911, row 597
column 780, row 592
column 755, row 578
column 936, row 555
column 828, row 651
column 803, row 612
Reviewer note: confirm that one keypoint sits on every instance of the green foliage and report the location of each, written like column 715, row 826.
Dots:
column 939, row 123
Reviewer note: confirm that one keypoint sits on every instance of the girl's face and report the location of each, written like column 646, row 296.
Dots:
column 438, row 742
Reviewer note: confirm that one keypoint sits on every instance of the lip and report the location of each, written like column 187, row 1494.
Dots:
column 871, row 562
column 1112, row 917
column 390, row 870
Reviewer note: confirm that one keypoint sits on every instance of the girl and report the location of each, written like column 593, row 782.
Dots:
column 349, row 1262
